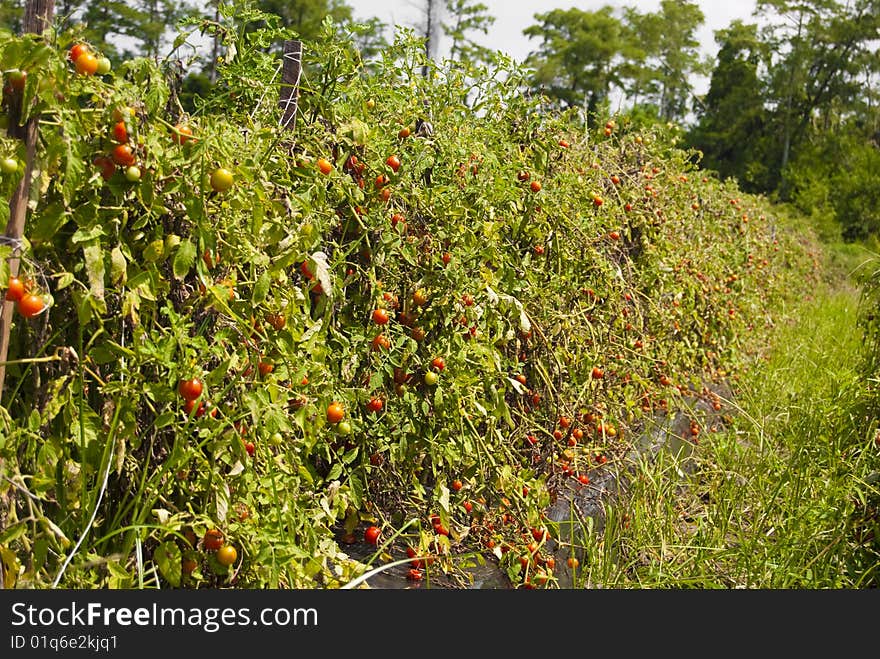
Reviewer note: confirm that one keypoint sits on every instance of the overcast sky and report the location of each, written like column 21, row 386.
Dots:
column 513, row 16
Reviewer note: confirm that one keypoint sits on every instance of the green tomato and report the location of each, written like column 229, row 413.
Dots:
column 221, row 179
column 431, row 378
column 343, row 428
column 133, row 173
column 8, row 165
column 103, row 66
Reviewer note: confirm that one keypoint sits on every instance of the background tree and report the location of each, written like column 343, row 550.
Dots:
column 731, row 119
column 578, row 59
column 466, row 17
column 668, row 38
column 305, row 16
column 821, row 46
column 11, row 14
column 123, row 29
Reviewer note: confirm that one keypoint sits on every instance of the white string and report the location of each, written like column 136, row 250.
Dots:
column 88, row 526
column 265, row 91
column 15, row 243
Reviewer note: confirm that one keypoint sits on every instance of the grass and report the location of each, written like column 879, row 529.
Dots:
column 786, row 496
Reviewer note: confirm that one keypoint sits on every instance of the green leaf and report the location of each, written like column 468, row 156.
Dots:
column 335, row 472
column 261, row 288
column 74, row 171
column 65, row 279
column 155, row 250
column 184, row 259
column 45, row 224
column 94, row 256
column 118, row 267
column 168, row 559
column 87, row 234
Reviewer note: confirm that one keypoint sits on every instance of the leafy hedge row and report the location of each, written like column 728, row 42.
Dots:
column 546, row 289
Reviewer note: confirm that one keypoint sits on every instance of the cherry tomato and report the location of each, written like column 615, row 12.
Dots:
column 106, row 165
column 221, row 179
column 380, row 316
column 324, row 166
column 123, row 155
column 76, row 50
column 181, row 134
column 30, row 305
column 227, row 555
column 190, row 389
column 16, row 290
column 120, row 132
column 212, row 540
column 371, row 535
column 393, row 162
column 86, row 64
column 335, row 412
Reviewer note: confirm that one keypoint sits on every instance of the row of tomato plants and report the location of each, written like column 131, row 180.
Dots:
column 413, row 318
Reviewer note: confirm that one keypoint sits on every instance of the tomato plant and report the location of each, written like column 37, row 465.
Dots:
column 319, row 309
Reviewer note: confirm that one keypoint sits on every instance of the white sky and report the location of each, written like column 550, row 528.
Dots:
column 513, row 16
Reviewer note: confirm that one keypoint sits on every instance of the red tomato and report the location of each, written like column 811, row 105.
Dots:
column 76, row 50
column 30, row 305
column 123, row 155
column 335, row 412
column 212, row 540
column 371, row 535
column 181, row 134
column 106, row 166
column 16, row 290
column 120, row 132
column 190, row 389
column 86, row 64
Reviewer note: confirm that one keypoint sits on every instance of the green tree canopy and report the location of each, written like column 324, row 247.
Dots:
column 577, row 61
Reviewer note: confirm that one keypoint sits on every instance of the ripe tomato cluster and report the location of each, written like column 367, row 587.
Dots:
column 86, row 62
column 28, row 302
column 214, row 541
